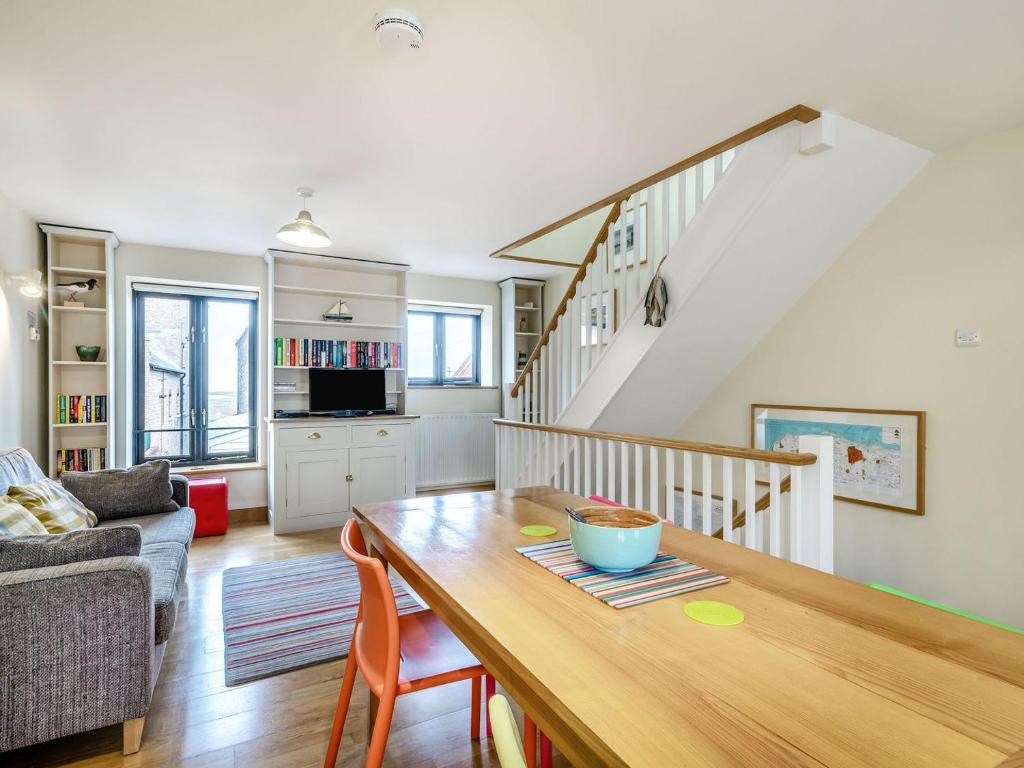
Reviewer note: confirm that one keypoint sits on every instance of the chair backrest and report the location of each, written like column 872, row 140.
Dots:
column 376, row 640
column 507, row 741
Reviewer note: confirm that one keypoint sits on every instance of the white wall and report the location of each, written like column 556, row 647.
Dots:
column 483, row 293
column 23, row 398
column 140, row 262
column 877, row 331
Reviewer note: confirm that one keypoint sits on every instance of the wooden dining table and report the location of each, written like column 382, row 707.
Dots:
column 822, row 672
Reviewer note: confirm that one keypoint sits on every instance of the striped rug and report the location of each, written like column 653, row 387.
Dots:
column 665, row 577
column 291, row 613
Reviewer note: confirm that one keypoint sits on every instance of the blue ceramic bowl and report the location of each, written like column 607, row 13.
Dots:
column 617, row 550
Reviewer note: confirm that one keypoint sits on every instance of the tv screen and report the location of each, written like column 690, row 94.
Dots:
column 337, row 389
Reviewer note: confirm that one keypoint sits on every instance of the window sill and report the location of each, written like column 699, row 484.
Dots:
column 207, row 469
column 414, row 387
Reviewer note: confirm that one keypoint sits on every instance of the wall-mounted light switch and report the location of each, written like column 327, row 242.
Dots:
column 33, row 327
column 968, row 337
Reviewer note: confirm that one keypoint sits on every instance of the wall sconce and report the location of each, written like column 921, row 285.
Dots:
column 31, row 283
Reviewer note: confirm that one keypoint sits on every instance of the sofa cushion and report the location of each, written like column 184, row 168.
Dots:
column 175, row 527
column 53, row 506
column 15, row 520
column 118, row 493
column 49, row 549
column 168, row 563
column 17, row 467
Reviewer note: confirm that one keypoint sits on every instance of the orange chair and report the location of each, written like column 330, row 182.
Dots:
column 396, row 654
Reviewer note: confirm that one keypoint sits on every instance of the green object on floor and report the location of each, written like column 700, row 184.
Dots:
column 946, row 608
column 538, row 530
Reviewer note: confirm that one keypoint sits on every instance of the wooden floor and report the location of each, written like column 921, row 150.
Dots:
column 281, row 721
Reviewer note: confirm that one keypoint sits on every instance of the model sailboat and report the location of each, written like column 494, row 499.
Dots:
column 339, row 313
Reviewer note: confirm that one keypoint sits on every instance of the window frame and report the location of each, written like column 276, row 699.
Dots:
column 197, row 430
column 439, row 379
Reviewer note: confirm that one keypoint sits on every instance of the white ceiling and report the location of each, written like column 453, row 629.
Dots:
column 190, row 123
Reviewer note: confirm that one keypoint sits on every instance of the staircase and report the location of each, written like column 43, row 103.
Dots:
column 739, row 232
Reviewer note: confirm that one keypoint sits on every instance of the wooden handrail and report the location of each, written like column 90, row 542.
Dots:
column 800, row 112
column 599, row 239
column 788, row 459
column 740, row 518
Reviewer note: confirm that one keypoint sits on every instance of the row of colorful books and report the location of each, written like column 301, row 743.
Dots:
column 81, row 459
column 334, row 353
column 81, row 409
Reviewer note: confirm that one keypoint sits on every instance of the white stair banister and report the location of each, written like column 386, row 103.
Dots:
column 816, row 504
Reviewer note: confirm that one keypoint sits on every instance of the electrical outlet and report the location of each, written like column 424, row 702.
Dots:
column 33, row 327
column 968, row 337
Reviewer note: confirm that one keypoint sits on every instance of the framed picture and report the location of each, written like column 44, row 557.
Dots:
column 601, row 323
column 878, row 454
column 632, row 231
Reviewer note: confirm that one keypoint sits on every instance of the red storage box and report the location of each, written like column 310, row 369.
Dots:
column 208, row 496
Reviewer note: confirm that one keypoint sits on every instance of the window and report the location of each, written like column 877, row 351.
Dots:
column 444, row 347
column 195, row 376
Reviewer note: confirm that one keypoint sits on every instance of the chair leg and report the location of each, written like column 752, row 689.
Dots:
column 474, row 712
column 381, row 730
column 348, row 682
column 545, row 751
column 489, row 692
column 132, row 735
column 530, row 741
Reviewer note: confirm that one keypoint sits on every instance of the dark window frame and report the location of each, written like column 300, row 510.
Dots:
column 439, row 379
column 198, row 430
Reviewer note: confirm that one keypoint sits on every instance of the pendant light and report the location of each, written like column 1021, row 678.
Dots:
column 302, row 232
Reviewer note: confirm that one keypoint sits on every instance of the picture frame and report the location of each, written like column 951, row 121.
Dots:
column 604, row 306
column 879, row 455
column 630, row 219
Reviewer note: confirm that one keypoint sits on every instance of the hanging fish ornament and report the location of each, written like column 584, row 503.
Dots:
column 657, row 300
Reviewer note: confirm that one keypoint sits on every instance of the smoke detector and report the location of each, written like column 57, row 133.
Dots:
column 397, row 29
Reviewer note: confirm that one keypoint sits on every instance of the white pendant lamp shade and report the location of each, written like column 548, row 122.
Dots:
column 302, row 232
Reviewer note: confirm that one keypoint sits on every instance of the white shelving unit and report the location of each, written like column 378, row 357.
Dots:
column 522, row 323
column 71, row 255
column 303, row 286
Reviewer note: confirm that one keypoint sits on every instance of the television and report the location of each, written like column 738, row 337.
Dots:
column 333, row 390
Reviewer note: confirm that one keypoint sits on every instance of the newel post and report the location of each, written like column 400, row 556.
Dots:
column 816, row 492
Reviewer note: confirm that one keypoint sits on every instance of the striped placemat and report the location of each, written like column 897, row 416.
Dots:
column 665, row 577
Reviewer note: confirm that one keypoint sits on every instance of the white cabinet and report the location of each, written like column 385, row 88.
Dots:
column 316, row 482
column 320, row 468
column 378, row 474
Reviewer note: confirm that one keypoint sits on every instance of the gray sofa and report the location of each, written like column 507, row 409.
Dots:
column 86, row 617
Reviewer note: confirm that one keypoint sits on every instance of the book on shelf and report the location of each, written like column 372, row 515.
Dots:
column 80, row 409
column 81, row 459
column 334, row 353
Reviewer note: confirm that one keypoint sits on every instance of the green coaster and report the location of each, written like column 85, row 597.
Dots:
column 714, row 613
column 538, row 530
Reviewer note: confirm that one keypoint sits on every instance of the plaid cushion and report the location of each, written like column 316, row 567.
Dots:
column 15, row 520
column 55, row 508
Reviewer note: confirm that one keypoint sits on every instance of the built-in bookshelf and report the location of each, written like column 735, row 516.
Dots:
column 302, row 288
column 522, row 323
column 81, row 423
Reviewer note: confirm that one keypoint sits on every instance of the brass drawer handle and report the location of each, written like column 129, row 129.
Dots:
column 348, row 478
column 382, row 433
column 313, row 436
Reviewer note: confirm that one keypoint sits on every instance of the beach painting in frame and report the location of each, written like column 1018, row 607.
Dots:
column 878, row 455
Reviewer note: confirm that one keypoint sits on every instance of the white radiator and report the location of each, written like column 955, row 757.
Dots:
column 454, row 449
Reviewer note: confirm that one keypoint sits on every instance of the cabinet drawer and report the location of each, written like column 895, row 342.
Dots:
column 380, row 434
column 315, row 437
